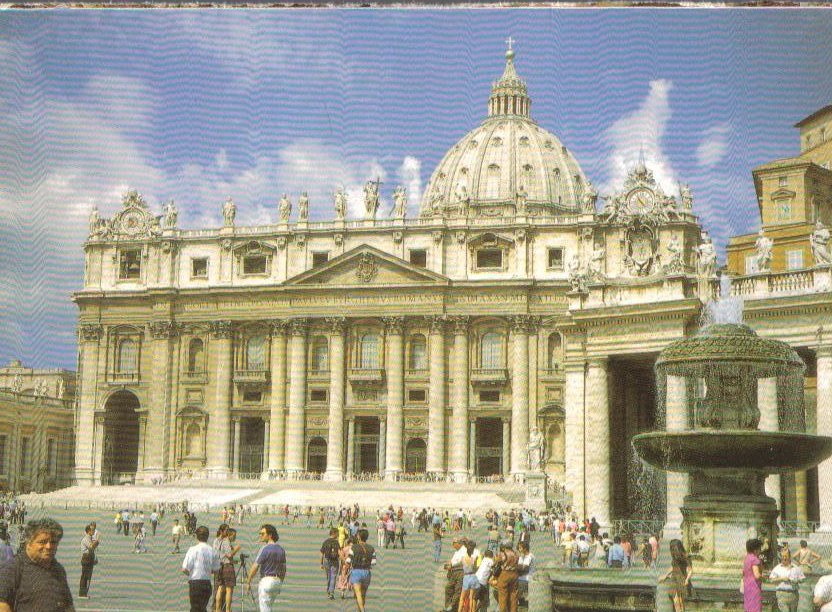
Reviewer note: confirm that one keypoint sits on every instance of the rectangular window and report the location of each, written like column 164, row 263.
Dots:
column 130, row 264
column 750, row 264
column 4, row 444
column 489, row 396
column 199, row 267
column 318, row 395
column 555, row 258
column 489, row 258
column 254, row 264
column 794, row 259
column 319, row 259
column 783, row 181
column 252, row 397
column 784, row 209
column 25, row 456
column 52, row 457
column 416, row 395
column 419, row 257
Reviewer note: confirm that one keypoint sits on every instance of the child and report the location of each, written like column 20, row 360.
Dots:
column 140, row 535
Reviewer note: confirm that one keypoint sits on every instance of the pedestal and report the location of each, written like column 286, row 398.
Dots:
column 535, row 491
column 721, row 513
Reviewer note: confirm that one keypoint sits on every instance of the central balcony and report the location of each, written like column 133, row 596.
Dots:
column 251, row 377
column 489, row 377
column 366, row 376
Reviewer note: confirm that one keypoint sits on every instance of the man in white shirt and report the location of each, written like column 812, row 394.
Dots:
column 176, row 535
column 483, row 576
column 199, row 565
column 787, row 576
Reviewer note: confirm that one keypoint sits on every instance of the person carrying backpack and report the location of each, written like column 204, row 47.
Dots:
column 361, row 559
column 329, row 561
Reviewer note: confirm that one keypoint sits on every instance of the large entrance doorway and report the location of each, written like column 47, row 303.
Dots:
column 415, row 456
column 120, row 459
column 366, row 444
column 252, row 438
column 316, row 455
column 489, row 447
column 638, row 490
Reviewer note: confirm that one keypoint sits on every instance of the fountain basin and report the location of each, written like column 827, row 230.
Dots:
column 765, row 452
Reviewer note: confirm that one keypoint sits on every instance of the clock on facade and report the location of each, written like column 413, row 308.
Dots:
column 640, row 201
column 132, row 223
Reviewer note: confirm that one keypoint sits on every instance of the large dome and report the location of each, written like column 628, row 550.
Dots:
column 506, row 162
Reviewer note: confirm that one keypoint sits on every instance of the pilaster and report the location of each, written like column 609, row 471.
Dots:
column 159, row 410
column 574, row 400
column 218, row 424
column 598, row 471
column 85, row 455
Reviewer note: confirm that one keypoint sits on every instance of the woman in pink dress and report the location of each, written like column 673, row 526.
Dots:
column 752, row 577
column 343, row 582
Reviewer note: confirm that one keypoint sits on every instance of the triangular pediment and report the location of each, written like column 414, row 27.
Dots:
column 367, row 266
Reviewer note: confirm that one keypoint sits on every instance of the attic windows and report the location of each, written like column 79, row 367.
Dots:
column 489, row 259
column 419, row 257
column 319, row 258
column 783, row 181
column 254, row 258
column 254, row 264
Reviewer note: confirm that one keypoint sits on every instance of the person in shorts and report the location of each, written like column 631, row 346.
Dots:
column 361, row 559
column 227, row 577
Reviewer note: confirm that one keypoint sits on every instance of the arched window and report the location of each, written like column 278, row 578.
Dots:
column 320, row 354
column 529, row 179
column 553, row 351
column 369, row 352
column 418, row 357
column 492, row 181
column 128, row 356
column 195, row 355
column 193, row 440
column 256, row 353
column 491, row 351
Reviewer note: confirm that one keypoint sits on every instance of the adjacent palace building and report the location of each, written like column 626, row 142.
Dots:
column 518, row 306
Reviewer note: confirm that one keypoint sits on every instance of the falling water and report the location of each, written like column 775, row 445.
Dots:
column 727, row 309
column 646, row 489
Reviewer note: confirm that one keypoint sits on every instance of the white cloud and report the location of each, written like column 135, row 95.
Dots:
column 643, row 129
column 713, row 146
column 409, row 173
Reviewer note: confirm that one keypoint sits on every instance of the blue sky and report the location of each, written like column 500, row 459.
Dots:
column 198, row 105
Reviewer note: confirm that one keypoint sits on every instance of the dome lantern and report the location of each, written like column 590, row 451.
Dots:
column 509, row 95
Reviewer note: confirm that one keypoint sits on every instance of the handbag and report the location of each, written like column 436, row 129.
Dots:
column 497, row 569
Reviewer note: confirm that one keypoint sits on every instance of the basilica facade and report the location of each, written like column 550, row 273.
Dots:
column 518, row 306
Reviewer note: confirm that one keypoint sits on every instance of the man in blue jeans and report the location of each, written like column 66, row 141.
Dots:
column 329, row 561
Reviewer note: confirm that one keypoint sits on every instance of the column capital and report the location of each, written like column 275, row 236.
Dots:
column 436, row 323
column 223, row 330
column 236, row 418
column 91, row 332
column 382, row 418
column 598, row 362
column 524, row 323
column 351, row 418
column 162, row 330
column 506, row 420
column 278, row 326
column 299, row 326
column 574, row 366
column 472, row 419
column 459, row 324
column 336, row 325
column 394, row 325
column 823, row 350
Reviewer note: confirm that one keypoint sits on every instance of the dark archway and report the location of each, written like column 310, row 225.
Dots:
column 415, row 456
column 316, row 455
column 121, row 437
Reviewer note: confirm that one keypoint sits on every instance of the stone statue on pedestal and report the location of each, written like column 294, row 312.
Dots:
column 371, row 198
column 340, row 204
column 284, row 208
column 229, row 211
column 400, row 198
column 303, row 207
column 820, row 244
column 762, row 256
column 536, row 451
column 589, row 198
column 706, row 265
column 171, row 215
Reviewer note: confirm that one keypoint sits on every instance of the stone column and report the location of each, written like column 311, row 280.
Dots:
column 395, row 397
column 85, row 455
column 98, row 453
column 277, row 399
column 472, row 447
column 574, row 427
column 519, row 395
column 436, row 399
column 235, row 464
column 598, row 470
column 824, row 428
column 382, row 445
column 335, row 441
column 506, row 446
column 769, row 421
column 218, row 423
column 266, row 441
column 295, row 424
column 676, row 418
column 350, row 445
column 158, row 410
column 142, row 441
column 459, row 415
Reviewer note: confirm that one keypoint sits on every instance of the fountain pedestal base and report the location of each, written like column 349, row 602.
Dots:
column 724, row 510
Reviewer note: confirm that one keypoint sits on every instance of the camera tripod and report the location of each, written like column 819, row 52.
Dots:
column 240, row 579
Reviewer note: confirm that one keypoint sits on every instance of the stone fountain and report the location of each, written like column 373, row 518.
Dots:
column 720, row 444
